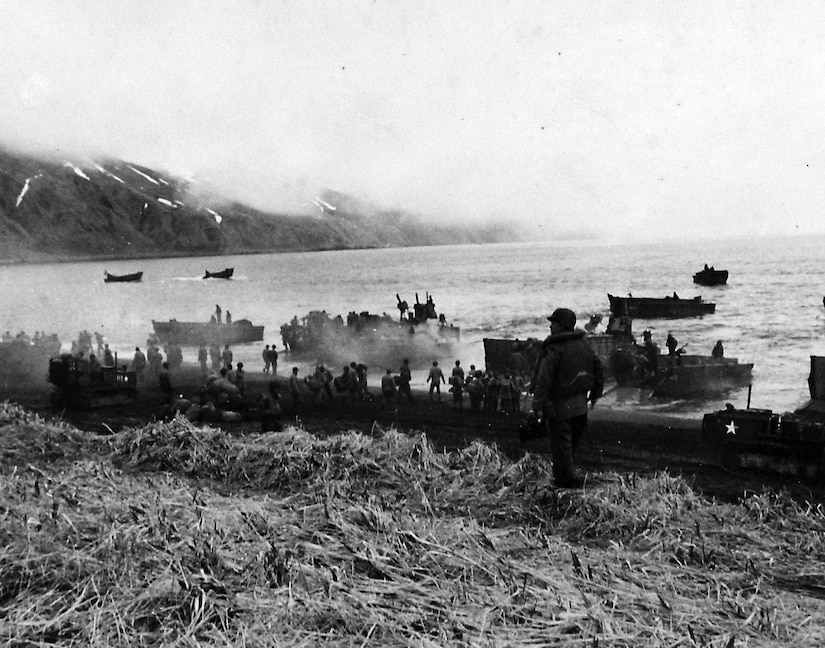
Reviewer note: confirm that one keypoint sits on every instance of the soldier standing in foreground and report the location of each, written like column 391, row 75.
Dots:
column 569, row 374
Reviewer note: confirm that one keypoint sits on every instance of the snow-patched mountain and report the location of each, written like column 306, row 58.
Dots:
column 72, row 209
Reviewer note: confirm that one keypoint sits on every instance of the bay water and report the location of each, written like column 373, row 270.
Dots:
column 770, row 313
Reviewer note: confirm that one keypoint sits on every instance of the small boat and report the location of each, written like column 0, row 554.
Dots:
column 660, row 307
column 221, row 274
column 710, row 276
column 113, row 278
column 684, row 376
column 208, row 333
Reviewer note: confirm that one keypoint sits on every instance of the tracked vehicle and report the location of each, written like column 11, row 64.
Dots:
column 77, row 385
column 790, row 444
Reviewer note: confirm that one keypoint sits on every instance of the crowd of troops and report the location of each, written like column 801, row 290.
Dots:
column 485, row 390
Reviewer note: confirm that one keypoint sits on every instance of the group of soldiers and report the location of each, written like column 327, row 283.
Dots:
column 486, row 390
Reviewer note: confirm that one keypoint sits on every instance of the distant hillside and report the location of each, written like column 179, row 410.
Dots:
column 63, row 210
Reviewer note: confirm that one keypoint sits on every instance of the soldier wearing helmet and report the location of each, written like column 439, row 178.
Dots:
column 568, row 375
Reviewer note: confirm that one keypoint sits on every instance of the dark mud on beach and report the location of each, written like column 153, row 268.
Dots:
column 622, row 441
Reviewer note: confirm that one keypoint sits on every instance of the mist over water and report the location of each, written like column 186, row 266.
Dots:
column 770, row 313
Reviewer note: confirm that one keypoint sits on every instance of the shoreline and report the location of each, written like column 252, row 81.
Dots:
column 625, row 441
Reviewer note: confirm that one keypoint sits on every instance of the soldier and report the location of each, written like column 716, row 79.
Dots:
column 139, row 363
column 165, row 382
column 215, row 357
column 404, row 379
column 570, row 374
column 363, row 392
column 108, row 358
column 474, row 391
column 388, row 391
column 273, row 359
column 435, row 378
column 266, row 359
column 240, row 378
column 458, row 373
column 203, row 356
column 155, row 360
column 226, row 356
column 295, row 389
column 403, row 307
column 671, row 343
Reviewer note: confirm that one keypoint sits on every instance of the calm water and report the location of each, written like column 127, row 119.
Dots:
column 770, row 313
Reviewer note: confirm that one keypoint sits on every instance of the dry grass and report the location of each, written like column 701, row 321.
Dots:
column 179, row 535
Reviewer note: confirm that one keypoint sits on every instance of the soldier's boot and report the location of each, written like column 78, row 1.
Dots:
column 561, row 445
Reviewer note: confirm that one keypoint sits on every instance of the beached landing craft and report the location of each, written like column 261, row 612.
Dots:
column 694, row 375
column 113, row 278
column 220, row 274
column 420, row 335
column 196, row 333
column 659, row 307
column 632, row 365
column 789, row 444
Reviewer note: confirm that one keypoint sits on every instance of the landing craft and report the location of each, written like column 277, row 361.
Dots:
column 108, row 277
column 240, row 331
column 632, row 365
column 669, row 307
column 226, row 273
column 381, row 340
column 710, row 276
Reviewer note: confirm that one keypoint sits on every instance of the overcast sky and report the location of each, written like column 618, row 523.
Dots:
column 621, row 118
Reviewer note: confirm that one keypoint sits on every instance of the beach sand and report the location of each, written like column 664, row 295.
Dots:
column 618, row 440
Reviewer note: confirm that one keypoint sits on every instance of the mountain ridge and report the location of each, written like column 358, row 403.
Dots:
column 52, row 210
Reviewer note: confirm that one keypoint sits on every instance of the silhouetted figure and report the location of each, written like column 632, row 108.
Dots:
column 718, row 351
column 435, row 378
column 570, row 374
column 388, row 391
column 404, row 379
column 108, row 358
column 139, row 363
column 165, row 381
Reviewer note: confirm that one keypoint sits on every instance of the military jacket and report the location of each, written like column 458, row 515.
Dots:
column 568, row 372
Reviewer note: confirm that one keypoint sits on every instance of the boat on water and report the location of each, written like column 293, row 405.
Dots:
column 421, row 335
column 113, row 278
column 226, row 273
column 240, row 331
column 709, row 276
column 670, row 307
column 792, row 443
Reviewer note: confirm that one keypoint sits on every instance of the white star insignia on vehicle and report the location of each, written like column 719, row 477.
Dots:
column 731, row 428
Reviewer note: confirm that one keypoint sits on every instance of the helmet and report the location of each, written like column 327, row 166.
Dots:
column 565, row 317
